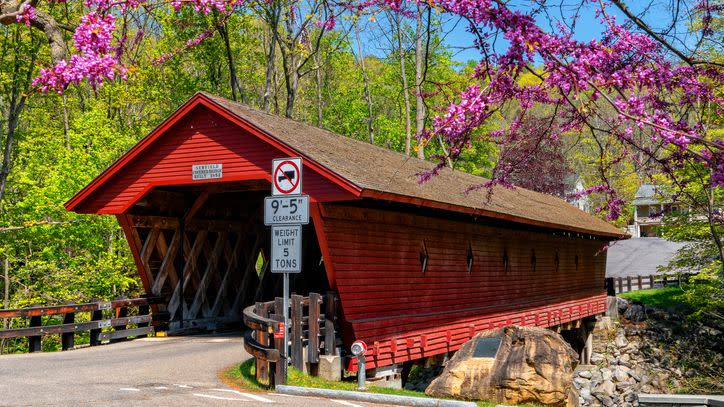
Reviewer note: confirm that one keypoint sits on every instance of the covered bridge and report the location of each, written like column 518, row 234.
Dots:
column 418, row 268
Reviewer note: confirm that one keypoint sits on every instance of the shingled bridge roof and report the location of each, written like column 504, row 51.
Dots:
column 379, row 173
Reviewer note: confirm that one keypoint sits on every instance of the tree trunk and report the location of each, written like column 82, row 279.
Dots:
column 233, row 78
column 66, row 124
column 18, row 96
column 289, row 52
column 6, row 299
column 319, row 83
column 405, row 89
column 711, row 218
column 270, row 71
column 419, row 67
column 365, row 81
column 6, row 296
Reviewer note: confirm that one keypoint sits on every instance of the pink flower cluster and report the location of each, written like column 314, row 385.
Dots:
column 327, row 24
column 98, row 59
column 625, row 70
column 26, row 15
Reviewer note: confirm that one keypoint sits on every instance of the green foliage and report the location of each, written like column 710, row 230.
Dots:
column 664, row 297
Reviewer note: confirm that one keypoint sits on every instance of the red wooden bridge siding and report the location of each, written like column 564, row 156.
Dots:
column 202, row 137
column 405, row 314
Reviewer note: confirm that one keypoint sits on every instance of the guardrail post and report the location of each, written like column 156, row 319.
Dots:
column 120, row 313
column 315, row 300
column 96, row 315
column 330, row 309
column 620, row 285
column 296, row 337
column 651, row 281
column 34, row 342
column 628, row 284
column 280, row 374
column 262, row 366
column 67, row 339
column 639, row 281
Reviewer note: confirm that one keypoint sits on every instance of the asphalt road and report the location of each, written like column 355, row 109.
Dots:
column 639, row 256
column 172, row 371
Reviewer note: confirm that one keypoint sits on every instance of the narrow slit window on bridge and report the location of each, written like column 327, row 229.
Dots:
column 557, row 262
column 423, row 256
column 575, row 260
column 471, row 258
column 533, row 260
column 506, row 261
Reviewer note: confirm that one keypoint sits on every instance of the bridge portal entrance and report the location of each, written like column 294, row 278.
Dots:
column 205, row 250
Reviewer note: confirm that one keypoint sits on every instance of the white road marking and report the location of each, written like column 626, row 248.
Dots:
column 183, row 386
column 251, row 396
column 161, row 388
column 209, row 396
column 129, row 389
column 346, row 403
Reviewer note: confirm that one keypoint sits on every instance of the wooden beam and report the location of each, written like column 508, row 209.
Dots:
column 250, row 270
column 198, row 203
column 211, row 269
column 188, row 271
column 134, row 242
column 193, row 225
column 168, row 254
column 149, row 246
column 232, row 265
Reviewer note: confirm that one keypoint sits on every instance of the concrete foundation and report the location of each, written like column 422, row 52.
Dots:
column 330, row 367
column 611, row 308
column 386, row 376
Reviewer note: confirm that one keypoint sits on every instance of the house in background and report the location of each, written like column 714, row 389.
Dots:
column 649, row 208
column 573, row 184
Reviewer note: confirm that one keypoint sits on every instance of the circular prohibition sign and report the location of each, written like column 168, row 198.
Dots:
column 291, row 176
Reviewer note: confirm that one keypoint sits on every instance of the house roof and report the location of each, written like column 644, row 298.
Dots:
column 647, row 195
column 387, row 175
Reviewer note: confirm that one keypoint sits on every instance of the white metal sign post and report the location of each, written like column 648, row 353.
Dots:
column 286, row 211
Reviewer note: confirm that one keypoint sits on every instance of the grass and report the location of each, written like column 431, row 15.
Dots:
column 243, row 376
column 664, row 297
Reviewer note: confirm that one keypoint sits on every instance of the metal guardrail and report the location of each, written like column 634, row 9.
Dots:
column 312, row 327
column 120, row 321
column 652, row 400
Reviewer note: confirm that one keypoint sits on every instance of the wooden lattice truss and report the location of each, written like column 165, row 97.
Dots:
column 206, row 269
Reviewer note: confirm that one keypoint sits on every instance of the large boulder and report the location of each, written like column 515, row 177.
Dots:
column 531, row 365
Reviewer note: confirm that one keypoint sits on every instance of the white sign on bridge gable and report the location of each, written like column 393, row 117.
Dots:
column 287, row 176
column 206, row 171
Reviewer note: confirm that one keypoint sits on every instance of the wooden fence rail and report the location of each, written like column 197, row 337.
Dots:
column 98, row 325
column 313, row 328
column 619, row 285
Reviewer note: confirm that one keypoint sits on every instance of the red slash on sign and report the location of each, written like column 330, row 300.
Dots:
column 287, row 177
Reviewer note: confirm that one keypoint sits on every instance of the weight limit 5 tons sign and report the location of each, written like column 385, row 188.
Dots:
column 286, row 249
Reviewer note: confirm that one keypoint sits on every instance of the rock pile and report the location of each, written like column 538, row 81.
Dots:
column 642, row 357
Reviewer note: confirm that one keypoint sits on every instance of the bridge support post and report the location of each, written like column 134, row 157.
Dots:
column 95, row 333
column 68, row 338
column 34, row 342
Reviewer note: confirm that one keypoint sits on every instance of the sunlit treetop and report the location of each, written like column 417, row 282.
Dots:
column 630, row 84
